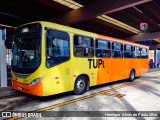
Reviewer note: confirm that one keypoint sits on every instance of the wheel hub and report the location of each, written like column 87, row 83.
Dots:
column 132, row 75
column 80, row 85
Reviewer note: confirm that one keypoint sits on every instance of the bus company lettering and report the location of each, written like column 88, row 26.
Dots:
column 96, row 63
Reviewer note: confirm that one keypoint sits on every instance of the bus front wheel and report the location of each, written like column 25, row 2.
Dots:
column 132, row 76
column 80, row 86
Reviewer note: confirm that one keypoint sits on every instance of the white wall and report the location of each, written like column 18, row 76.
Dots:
column 158, row 57
column 3, row 69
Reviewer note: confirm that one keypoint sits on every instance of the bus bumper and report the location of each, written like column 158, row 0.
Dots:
column 33, row 90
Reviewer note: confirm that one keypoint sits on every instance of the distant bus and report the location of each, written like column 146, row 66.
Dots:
column 49, row 58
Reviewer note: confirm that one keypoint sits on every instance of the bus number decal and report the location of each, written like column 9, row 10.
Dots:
column 96, row 63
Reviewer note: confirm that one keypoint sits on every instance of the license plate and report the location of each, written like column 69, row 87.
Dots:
column 19, row 88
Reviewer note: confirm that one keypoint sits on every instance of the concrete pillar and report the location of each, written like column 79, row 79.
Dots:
column 3, row 65
column 155, row 57
column 158, row 58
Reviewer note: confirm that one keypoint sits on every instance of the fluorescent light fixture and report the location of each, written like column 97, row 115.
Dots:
column 138, row 9
column 118, row 23
column 69, row 3
column 74, row 5
column 6, row 26
column 9, row 15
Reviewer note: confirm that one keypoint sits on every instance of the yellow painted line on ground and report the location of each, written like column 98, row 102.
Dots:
column 79, row 99
column 113, row 95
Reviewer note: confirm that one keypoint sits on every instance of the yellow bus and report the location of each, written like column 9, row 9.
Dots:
column 49, row 58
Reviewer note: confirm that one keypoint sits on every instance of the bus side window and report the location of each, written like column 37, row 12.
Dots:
column 83, row 46
column 117, row 50
column 128, row 51
column 137, row 52
column 144, row 53
column 103, row 49
column 57, row 47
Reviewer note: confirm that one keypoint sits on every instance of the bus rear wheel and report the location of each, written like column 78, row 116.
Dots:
column 132, row 76
column 80, row 86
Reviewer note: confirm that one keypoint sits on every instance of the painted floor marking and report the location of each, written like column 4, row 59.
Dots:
column 113, row 95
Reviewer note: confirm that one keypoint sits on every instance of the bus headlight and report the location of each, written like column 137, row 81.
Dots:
column 34, row 82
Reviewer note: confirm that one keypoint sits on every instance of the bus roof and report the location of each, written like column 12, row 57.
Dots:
column 85, row 33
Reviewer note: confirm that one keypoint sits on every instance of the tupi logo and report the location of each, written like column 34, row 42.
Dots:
column 96, row 63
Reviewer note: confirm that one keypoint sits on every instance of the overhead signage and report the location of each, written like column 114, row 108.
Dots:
column 143, row 26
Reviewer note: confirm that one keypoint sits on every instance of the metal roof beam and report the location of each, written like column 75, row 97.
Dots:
column 156, row 46
column 148, row 36
column 95, row 9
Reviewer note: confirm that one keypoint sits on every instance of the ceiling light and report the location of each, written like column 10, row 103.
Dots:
column 138, row 9
column 9, row 15
column 69, row 3
column 1, row 25
column 118, row 23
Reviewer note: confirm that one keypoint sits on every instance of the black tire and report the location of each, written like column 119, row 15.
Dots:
column 132, row 76
column 80, row 85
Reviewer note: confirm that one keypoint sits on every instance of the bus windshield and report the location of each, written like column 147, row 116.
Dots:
column 26, row 52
